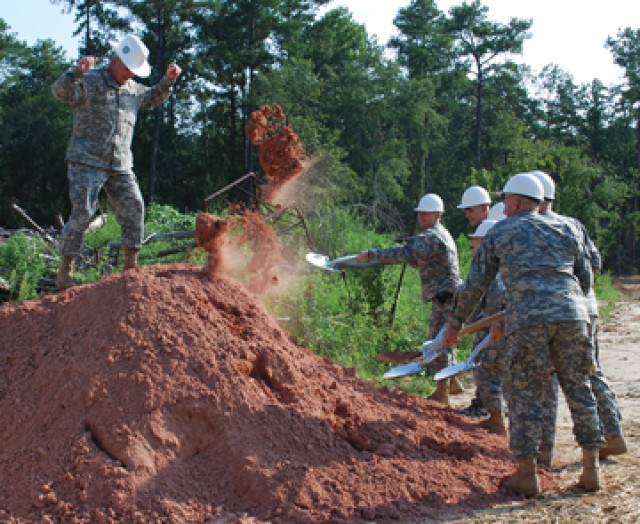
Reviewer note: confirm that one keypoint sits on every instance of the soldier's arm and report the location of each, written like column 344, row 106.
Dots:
column 68, row 88
column 394, row 255
column 583, row 272
column 160, row 92
column 484, row 268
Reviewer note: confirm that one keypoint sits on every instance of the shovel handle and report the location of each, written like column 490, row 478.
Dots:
column 483, row 322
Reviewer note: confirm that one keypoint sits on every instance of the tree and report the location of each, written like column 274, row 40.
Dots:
column 97, row 21
column 34, row 130
column 483, row 41
column 626, row 54
column 424, row 45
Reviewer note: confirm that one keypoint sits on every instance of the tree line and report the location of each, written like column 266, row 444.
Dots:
column 442, row 106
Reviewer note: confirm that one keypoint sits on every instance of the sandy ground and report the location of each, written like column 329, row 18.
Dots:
column 619, row 501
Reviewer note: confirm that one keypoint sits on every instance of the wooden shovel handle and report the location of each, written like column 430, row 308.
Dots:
column 483, row 322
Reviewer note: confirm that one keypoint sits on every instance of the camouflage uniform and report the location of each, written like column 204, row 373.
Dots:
column 546, row 273
column 99, row 151
column 491, row 368
column 433, row 252
column 604, row 395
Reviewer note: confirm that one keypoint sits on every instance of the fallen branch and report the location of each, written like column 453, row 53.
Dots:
column 48, row 238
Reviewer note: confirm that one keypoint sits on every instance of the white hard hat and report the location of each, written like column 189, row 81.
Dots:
column 547, row 183
column 524, row 184
column 430, row 202
column 483, row 227
column 133, row 54
column 474, row 196
column 497, row 212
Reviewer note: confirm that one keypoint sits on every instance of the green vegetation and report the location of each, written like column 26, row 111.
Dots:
column 606, row 294
column 22, row 265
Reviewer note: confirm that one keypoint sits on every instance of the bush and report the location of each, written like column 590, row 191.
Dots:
column 22, row 261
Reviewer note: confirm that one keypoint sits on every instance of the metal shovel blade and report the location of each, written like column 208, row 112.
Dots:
column 455, row 370
column 405, row 370
column 320, row 261
column 462, row 367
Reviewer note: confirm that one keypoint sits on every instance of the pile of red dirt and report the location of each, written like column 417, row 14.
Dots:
column 163, row 394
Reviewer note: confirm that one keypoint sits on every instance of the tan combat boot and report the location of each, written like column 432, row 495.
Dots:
column 130, row 258
column 64, row 280
column 441, row 394
column 525, row 479
column 590, row 477
column 615, row 446
column 545, row 456
column 494, row 424
column 455, row 388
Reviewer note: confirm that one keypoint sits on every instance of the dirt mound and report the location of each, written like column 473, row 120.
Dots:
column 165, row 395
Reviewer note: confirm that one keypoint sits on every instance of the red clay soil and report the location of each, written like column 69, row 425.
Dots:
column 210, row 233
column 280, row 150
column 164, row 394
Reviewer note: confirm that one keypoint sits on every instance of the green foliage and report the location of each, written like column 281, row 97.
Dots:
column 22, row 261
column 606, row 294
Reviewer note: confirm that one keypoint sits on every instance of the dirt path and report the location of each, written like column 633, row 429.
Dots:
column 619, row 500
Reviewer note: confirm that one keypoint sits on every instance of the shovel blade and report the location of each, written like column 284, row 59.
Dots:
column 412, row 368
column 453, row 371
column 320, row 261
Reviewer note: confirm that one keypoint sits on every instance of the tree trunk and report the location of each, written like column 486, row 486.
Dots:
column 157, row 117
column 479, row 86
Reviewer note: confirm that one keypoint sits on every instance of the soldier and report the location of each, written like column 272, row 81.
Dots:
column 476, row 202
column 491, row 369
column 545, row 273
column 605, row 397
column 105, row 104
column 433, row 252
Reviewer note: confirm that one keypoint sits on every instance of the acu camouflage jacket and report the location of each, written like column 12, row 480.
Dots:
column 433, row 252
column 544, row 267
column 104, row 116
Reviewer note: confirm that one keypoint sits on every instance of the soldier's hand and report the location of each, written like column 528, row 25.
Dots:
column 450, row 337
column 173, row 71
column 86, row 63
column 497, row 332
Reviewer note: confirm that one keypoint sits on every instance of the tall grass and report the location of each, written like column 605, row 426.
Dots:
column 23, row 264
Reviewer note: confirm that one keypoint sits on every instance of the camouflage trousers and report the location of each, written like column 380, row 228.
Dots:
column 489, row 374
column 606, row 400
column 440, row 312
column 124, row 195
column 532, row 353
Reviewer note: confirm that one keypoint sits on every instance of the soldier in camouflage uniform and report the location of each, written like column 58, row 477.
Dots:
column 546, row 274
column 605, row 397
column 434, row 253
column 491, row 367
column 105, row 104
column 475, row 203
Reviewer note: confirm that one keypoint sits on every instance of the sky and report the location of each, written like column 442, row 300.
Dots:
column 568, row 33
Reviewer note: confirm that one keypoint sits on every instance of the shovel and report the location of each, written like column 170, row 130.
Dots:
column 463, row 367
column 429, row 351
column 403, row 357
column 335, row 265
